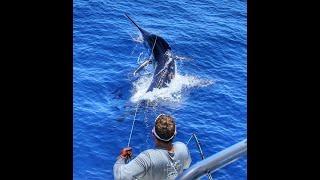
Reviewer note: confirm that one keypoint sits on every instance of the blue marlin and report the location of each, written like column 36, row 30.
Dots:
column 163, row 62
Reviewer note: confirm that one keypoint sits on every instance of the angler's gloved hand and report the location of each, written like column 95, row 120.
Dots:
column 126, row 153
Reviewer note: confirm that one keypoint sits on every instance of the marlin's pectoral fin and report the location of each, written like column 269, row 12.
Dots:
column 143, row 65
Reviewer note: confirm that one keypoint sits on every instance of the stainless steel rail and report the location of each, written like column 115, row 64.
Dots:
column 215, row 161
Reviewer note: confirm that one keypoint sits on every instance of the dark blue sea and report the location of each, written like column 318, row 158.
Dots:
column 208, row 96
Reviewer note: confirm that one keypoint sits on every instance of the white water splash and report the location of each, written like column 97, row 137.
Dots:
column 138, row 39
column 171, row 93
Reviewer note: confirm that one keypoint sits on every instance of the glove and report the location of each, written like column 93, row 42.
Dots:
column 126, row 153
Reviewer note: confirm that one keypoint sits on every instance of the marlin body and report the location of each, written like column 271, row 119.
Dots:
column 163, row 62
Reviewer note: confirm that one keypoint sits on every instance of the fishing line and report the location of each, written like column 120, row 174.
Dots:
column 189, row 139
column 147, row 126
column 200, row 151
column 134, row 49
column 139, row 103
column 133, row 123
column 134, row 120
column 198, row 145
column 153, row 46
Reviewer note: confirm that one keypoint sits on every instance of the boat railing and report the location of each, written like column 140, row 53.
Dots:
column 216, row 161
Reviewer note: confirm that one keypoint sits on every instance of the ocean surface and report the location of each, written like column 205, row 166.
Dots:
column 208, row 96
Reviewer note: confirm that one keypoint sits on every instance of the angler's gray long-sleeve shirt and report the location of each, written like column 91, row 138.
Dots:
column 155, row 164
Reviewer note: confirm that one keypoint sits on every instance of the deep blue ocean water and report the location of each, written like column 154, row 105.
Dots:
column 209, row 99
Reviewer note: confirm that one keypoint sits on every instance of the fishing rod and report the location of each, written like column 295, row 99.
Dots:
column 200, row 151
